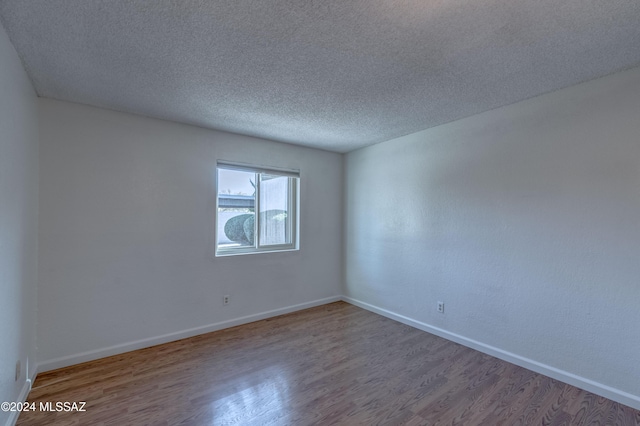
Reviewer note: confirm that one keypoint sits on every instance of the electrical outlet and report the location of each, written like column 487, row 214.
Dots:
column 226, row 300
column 18, row 368
column 441, row 307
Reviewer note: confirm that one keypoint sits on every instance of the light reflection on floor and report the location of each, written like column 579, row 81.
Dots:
column 265, row 402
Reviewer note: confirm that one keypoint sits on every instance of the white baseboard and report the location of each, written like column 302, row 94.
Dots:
column 555, row 373
column 22, row 397
column 166, row 338
column 547, row 370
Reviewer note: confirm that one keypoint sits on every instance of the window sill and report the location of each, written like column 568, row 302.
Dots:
column 227, row 253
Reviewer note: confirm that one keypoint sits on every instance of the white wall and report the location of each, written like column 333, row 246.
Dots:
column 126, row 233
column 18, row 223
column 524, row 220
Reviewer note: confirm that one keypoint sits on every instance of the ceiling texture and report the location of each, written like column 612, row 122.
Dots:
column 330, row 74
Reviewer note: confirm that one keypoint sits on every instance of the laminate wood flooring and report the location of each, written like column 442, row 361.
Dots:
column 334, row 364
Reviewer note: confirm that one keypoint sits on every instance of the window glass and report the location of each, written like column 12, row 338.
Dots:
column 236, row 204
column 274, row 210
column 241, row 193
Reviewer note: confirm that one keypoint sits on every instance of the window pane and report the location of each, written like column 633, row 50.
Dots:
column 274, row 210
column 257, row 210
column 236, row 208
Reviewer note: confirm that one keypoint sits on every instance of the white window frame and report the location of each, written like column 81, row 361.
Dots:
column 292, row 210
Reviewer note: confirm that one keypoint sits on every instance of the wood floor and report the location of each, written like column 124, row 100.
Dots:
column 334, row 364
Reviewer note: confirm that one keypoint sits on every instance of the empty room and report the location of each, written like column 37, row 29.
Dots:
column 279, row 212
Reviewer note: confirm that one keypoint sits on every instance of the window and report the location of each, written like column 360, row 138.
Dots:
column 257, row 210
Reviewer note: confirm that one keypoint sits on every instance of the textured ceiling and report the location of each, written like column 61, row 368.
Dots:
column 331, row 74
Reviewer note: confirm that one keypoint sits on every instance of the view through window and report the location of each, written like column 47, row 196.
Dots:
column 257, row 210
